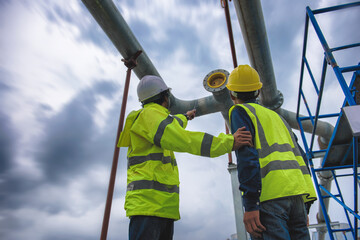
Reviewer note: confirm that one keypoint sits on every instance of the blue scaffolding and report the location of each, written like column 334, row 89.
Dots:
column 342, row 150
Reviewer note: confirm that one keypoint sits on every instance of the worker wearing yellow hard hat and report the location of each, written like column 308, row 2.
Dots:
column 273, row 176
column 152, row 135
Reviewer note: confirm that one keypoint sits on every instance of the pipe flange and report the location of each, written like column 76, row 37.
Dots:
column 215, row 81
column 279, row 101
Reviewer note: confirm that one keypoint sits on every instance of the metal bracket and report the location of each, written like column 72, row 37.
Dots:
column 131, row 62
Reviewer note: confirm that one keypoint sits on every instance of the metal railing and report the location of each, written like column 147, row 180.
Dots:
column 341, row 152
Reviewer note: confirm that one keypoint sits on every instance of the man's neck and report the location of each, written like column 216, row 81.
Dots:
column 165, row 104
column 238, row 101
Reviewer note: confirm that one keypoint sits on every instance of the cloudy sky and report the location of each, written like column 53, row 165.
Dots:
column 61, row 85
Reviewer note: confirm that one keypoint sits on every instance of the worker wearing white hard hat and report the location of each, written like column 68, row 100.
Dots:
column 152, row 135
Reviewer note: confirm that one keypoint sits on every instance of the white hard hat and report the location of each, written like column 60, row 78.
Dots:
column 150, row 86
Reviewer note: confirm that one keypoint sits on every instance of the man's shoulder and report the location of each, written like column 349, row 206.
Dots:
column 154, row 111
column 134, row 114
column 239, row 108
column 239, row 114
column 259, row 107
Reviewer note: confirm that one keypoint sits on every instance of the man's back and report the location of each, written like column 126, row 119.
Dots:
column 152, row 176
column 282, row 167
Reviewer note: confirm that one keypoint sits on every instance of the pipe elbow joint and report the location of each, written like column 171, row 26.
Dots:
column 275, row 102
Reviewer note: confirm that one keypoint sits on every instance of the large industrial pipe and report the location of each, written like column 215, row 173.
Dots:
column 252, row 25
column 114, row 25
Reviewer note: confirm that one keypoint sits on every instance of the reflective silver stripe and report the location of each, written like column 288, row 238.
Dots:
column 279, row 165
column 179, row 120
column 296, row 150
column 152, row 156
column 206, row 145
column 304, row 170
column 263, row 152
column 160, row 131
column 265, row 148
column 148, row 184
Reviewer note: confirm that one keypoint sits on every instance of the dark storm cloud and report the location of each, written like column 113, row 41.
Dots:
column 8, row 183
column 186, row 38
column 71, row 145
column 7, row 143
column 71, row 136
column 199, row 54
column 4, row 3
column 8, row 134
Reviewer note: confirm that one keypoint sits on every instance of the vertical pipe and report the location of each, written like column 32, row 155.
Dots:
column 252, row 25
column 225, row 5
column 229, row 154
column 238, row 205
column 105, row 224
column 322, row 206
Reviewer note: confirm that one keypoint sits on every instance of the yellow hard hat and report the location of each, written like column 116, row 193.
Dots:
column 244, row 79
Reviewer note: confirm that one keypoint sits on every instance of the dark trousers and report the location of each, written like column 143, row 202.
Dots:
column 151, row 228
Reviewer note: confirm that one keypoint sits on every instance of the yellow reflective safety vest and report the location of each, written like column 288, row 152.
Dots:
column 282, row 169
column 152, row 135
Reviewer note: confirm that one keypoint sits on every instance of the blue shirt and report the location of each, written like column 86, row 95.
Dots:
column 248, row 165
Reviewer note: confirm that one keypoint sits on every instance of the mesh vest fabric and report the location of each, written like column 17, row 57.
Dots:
column 282, row 168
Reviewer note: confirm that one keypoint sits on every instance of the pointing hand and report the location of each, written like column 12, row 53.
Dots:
column 191, row 114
